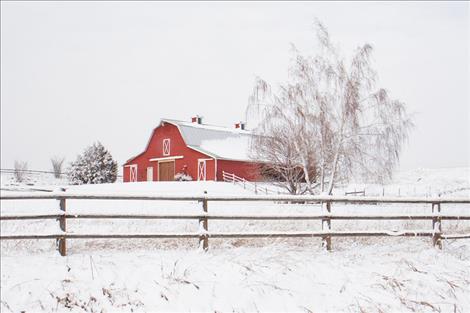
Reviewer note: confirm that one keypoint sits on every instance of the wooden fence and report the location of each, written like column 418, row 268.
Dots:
column 253, row 186
column 355, row 193
column 435, row 216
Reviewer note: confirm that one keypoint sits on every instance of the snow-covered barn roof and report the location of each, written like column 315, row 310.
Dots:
column 215, row 141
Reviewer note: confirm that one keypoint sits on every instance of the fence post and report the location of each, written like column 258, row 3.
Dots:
column 326, row 225
column 436, row 226
column 256, row 189
column 266, row 190
column 244, row 181
column 63, row 226
column 203, row 226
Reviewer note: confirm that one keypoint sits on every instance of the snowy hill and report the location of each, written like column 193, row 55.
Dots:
column 420, row 182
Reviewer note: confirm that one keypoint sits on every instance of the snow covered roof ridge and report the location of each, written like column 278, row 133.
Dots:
column 216, row 141
column 207, row 126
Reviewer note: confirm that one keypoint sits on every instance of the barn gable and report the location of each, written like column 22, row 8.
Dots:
column 200, row 151
column 218, row 142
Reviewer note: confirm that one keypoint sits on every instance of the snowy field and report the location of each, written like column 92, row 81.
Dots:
column 236, row 275
column 401, row 276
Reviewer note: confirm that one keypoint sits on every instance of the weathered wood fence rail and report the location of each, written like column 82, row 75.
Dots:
column 435, row 232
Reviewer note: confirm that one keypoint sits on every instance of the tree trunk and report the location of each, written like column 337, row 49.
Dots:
column 322, row 177
column 333, row 172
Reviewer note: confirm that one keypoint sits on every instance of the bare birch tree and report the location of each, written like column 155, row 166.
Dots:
column 335, row 115
column 278, row 141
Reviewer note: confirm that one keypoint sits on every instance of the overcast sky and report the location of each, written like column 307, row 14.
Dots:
column 76, row 72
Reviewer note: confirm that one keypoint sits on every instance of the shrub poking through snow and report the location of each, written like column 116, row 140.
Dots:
column 94, row 166
column 20, row 171
column 57, row 163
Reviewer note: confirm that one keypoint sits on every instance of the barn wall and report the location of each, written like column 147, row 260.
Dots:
column 125, row 174
column 177, row 148
column 247, row 170
column 210, row 170
column 142, row 164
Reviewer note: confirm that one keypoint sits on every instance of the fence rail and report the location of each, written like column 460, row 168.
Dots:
column 360, row 193
column 435, row 232
column 253, row 186
column 34, row 172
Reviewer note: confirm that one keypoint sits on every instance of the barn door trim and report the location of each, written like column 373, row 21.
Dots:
column 201, row 169
column 133, row 172
column 150, row 173
column 166, row 161
column 170, row 158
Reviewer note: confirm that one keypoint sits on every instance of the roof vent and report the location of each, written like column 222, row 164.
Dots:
column 196, row 119
column 240, row 125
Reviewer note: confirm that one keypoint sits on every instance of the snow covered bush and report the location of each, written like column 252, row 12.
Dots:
column 94, row 166
column 183, row 177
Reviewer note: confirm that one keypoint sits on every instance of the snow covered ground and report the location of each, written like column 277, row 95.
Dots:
column 421, row 182
column 403, row 276
column 31, row 181
column 239, row 275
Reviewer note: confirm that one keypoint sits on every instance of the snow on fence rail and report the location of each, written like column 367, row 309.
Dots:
column 232, row 178
column 326, row 201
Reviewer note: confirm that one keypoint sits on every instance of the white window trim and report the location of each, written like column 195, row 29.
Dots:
column 166, row 146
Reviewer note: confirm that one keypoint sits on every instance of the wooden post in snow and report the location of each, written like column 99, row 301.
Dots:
column 326, row 225
column 63, row 227
column 203, row 226
column 436, row 226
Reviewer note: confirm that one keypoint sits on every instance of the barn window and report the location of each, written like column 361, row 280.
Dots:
column 166, row 146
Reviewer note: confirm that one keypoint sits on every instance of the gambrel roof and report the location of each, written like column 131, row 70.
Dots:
column 215, row 141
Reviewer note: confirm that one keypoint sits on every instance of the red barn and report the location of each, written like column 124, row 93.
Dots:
column 198, row 150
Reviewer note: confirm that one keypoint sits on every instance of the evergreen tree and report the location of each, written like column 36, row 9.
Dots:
column 94, row 166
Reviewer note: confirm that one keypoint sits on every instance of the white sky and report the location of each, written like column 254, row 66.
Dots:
column 76, row 72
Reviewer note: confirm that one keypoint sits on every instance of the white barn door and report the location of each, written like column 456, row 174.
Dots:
column 201, row 170
column 133, row 173
column 150, row 173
